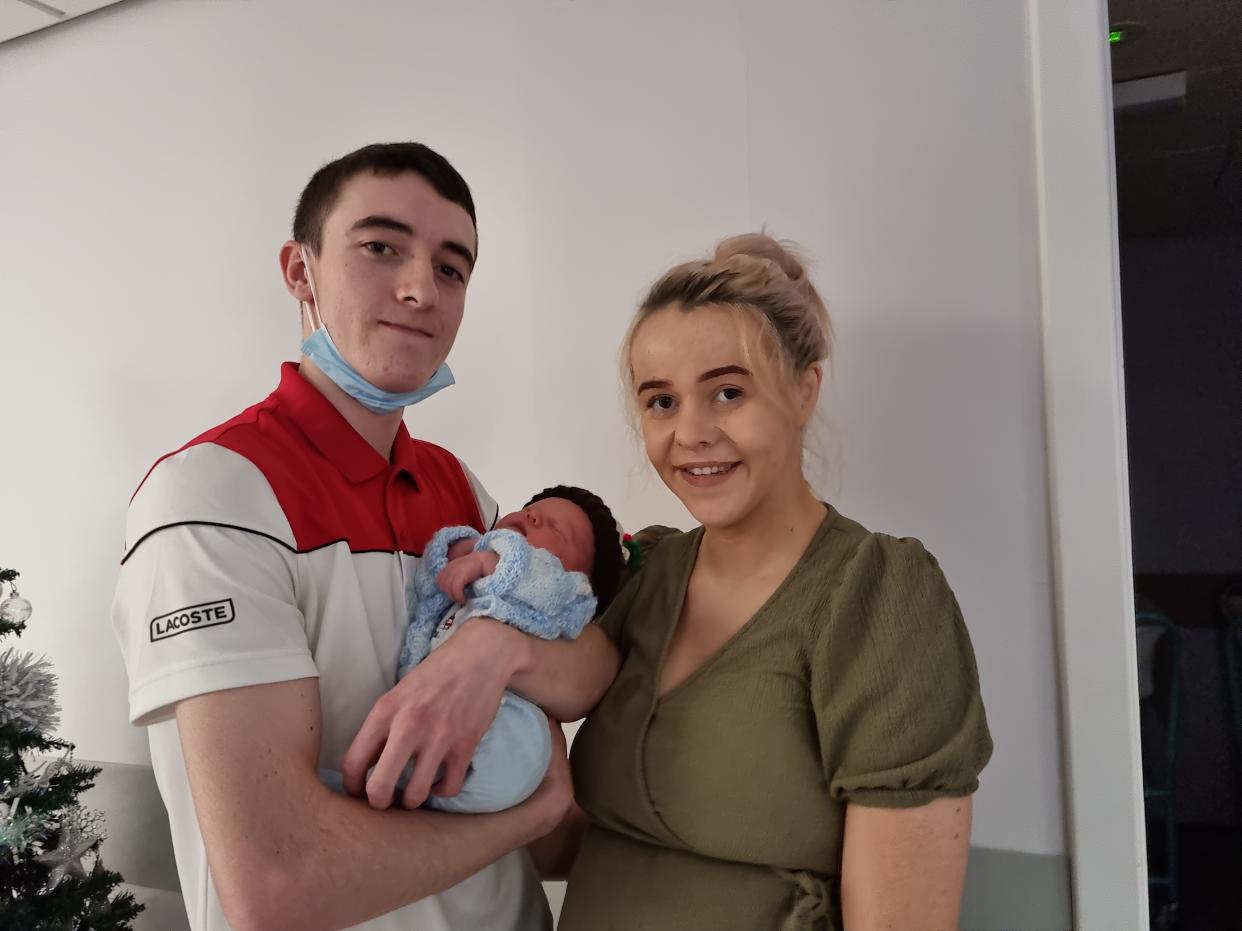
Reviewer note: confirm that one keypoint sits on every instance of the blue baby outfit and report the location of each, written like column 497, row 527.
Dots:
column 529, row 590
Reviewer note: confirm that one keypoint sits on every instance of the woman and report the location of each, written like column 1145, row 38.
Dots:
column 796, row 727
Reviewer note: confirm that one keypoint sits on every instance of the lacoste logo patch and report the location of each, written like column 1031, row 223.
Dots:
column 195, row 617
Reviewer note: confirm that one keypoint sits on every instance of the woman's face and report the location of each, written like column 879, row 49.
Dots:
column 721, row 422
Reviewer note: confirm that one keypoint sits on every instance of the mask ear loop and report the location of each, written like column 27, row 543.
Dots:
column 311, row 310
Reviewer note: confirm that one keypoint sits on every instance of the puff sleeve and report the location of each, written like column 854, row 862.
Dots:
column 894, row 685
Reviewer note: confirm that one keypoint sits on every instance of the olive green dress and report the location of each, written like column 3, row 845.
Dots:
column 722, row 805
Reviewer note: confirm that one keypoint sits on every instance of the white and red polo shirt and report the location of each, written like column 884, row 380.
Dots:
column 280, row 546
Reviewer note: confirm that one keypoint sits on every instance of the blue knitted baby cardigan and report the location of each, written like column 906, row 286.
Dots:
column 529, row 590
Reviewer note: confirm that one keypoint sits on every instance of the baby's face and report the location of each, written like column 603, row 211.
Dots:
column 558, row 526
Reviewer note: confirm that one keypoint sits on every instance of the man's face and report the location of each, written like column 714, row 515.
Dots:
column 391, row 277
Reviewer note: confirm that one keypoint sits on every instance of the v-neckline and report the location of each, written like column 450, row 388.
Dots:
column 684, row 591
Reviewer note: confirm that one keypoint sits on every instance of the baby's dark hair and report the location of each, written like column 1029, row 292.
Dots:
column 605, row 572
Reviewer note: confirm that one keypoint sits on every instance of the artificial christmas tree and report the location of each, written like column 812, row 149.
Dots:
column 45, row 833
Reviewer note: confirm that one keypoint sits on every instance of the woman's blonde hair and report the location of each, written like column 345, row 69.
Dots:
column 758, row 275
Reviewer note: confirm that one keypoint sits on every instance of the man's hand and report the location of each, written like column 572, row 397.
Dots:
column 437, row 715
column 464, row 571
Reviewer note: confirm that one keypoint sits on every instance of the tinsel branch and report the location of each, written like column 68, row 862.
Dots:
column 27, row 692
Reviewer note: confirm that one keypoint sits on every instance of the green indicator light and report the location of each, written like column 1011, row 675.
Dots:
column 1116, row 36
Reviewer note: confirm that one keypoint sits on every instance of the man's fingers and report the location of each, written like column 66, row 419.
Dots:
column 360, row 756
column 426, row 766
column 453, row 777
column 382, row 784
column 438, row 711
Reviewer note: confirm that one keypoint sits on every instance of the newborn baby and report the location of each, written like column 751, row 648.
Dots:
column 547, row 570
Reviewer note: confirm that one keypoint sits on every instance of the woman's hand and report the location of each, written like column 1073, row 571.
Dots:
column 554, row 853
column 436, row 714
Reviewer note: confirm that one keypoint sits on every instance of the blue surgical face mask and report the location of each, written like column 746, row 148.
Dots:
column 321, row 350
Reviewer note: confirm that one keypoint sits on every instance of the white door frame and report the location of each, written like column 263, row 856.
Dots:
column 1086, row 450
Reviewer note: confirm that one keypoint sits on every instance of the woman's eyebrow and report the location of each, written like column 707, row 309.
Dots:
column 725, row 370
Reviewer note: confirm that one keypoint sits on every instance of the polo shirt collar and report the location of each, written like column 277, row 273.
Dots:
column 331, row 433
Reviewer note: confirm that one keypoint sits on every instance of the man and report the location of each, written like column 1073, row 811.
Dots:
column 262, row 600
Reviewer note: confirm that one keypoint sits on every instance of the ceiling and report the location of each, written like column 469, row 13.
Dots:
column 1180, row 170
column 19, row 17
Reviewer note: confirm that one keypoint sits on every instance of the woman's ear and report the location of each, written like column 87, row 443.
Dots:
column 809, row 384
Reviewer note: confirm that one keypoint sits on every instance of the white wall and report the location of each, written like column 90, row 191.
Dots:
column 151, row 156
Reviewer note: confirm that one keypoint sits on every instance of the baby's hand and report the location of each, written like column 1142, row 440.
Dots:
column 461, row 573
column 463, row 547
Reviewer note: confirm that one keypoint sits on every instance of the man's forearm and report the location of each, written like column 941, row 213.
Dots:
column 354, row 863
column 287, row 853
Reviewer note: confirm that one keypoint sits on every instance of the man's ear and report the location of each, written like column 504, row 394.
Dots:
column 293, row 271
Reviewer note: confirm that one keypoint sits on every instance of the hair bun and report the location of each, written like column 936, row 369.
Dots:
column 762, row 248
column 756, row 272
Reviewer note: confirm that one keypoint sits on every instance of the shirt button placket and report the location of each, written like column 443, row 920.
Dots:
column 393, row 509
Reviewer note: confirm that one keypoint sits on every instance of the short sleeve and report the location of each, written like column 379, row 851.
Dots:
column 614, row 618
column 201, row 608
column 894, row 684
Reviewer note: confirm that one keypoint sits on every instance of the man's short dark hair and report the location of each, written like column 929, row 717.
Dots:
column 385, row 159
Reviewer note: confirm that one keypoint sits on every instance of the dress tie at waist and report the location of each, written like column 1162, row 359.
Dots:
column 811, row 898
